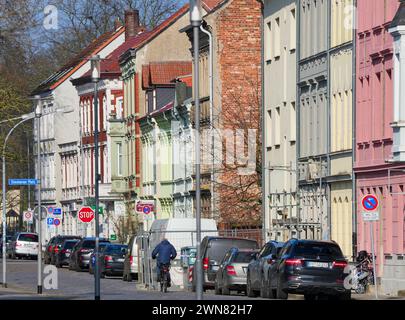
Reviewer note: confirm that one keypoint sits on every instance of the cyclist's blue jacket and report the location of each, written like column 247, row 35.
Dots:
column 164, row 252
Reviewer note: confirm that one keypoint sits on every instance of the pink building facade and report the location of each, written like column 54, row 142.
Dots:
column 374, row 136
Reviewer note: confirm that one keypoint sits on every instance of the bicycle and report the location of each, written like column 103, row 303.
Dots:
column 164, row 277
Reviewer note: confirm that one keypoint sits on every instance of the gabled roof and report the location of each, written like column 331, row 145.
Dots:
column 109, row 66
column 163, row 73
column 209, row 5
column 76, row 62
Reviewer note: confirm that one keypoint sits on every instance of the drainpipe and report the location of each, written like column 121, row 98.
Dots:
column 211, row 72
column 263, row 123
column 354, row 87
column 328, row 127
column 297, row 118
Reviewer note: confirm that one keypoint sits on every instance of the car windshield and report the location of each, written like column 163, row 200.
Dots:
column 311, row 250
column 243, row 257
column 28, row 237
column 116, row 249
column 91, row 244
column 69, row 244
column 218, row 247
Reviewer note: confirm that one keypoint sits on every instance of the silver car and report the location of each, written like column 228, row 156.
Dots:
column 24, row 244
column 232, row 272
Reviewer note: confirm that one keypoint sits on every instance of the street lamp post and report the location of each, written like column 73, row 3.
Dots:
column 195, row 19
column 95, row 77
column 38, row 115
column 23, row 118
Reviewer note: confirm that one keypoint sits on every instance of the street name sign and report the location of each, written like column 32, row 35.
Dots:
column 23, row 182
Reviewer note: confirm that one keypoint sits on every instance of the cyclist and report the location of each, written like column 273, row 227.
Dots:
column 164, row 252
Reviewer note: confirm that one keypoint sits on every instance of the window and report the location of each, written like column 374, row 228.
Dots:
column 269, row 128
column 119, row 108
column 119, row 159
column 277, row 127
column 293, row 30
column 268, row 42
column 277, row 39
column 293, row 123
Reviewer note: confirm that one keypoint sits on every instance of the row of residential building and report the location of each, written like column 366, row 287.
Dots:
column 319, row 81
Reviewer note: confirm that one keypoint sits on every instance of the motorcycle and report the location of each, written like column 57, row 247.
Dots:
column 363, row 273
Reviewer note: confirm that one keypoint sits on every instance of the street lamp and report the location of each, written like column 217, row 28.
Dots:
column 38, row 115
column 22, row 119
column 195, row 19
column 95, row 77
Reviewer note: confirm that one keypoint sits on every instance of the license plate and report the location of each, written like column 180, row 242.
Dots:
column 318, row 264
column 67, row 254
column 214, row 268
column 120, row 260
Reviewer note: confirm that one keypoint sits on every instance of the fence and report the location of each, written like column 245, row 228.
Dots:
column 180, row 239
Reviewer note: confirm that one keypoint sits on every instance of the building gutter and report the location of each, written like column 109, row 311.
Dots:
column 354, row 88
column 211, row 77
column 297, row 111
column 328, row 131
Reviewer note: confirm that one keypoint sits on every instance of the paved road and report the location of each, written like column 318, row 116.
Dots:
column 22, row 280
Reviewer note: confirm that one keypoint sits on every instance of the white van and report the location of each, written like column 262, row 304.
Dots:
column 180, row 233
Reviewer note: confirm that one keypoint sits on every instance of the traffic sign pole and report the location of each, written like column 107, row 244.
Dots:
column 370, row 204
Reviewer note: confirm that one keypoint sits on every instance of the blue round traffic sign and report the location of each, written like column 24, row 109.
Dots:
column 370, row 202
column 50, row 209
column 56, row 222
column 146, row 210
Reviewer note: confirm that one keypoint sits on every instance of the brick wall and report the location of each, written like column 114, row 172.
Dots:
column 238, row 28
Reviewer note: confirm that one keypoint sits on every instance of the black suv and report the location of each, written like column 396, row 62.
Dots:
column 311, row 268
column 54, row 245
column 80, row 256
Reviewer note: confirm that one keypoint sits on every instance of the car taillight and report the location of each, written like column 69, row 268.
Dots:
column 131, row 259
column 56, row 249
column 50, row 248
column 293, row 262
column 339, row 264
column 107, row 258
column 230, row 270
column 18, row 244
column 205, row 263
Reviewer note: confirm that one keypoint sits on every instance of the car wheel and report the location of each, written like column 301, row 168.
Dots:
column 310, row 297
column 280, row 293
column 225, row 290
column 346, row 296
column 124, row 277
column 249, row 291
column 217, row 289
column 272, row 292
column 264, row 290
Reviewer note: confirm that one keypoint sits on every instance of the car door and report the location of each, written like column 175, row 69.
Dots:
column 257, row 267
column 222, row 268
column 274, row 270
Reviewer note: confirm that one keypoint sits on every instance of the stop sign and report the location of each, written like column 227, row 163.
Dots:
column 86, row 214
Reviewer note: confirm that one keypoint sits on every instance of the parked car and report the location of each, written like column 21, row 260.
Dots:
column 101, row 247
column 232, row 271
column 131, row 260
column 311, row 268
column 63, row 254
column 48, row 250
column 213, row 250
column 8, row 242
column 80, row 256
column 258, row 268
column 56, row 246
column 111, row 260
column 24, row 244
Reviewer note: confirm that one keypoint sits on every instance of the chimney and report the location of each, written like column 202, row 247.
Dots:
column 132, row 27
column 117, row 24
